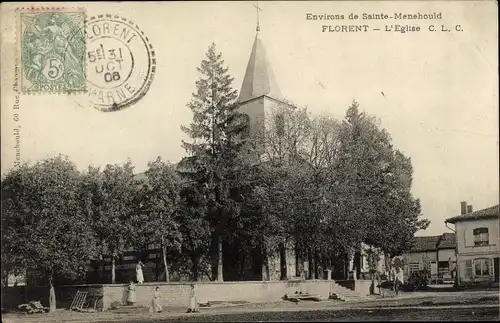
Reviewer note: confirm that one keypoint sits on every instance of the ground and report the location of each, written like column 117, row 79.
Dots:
column 470, row 306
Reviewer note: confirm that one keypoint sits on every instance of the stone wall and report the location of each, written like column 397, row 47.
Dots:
column 171, row 294
column 363, row 287
column 177, row 294
column 14, row 296
column 360, row 286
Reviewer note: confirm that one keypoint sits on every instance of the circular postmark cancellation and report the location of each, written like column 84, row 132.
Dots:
column 120, row 62
column 52, row 48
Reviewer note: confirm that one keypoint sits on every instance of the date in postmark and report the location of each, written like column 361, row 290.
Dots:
column 51, row 50
column 121, row 62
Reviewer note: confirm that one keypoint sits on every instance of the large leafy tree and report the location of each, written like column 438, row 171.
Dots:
column 45, row 229
column 215, row 158
column 275, row 192
column 112, row 205
column 159, row 209
column 374, row 180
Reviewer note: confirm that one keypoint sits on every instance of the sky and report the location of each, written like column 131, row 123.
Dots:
column 439, row 101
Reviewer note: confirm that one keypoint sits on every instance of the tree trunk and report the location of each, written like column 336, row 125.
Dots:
column 283, row 271
column 102, row 267
column 52, row 295
column 195, row 259
column 297, row 261
column 157, row 269
column 219, row 261
column 113, row 274
column 309, row 264
column 314, row 267
column 242, row 265
column 265, row 264
column 164, row 253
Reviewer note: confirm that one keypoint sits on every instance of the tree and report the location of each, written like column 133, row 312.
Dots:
column 374, row 180
column 112, row 204
column 44, row 227
column 280, row 141
column 159, row 209
column 195, row 228
column 215, row 153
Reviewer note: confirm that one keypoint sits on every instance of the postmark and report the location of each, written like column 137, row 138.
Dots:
column 51, row 50
column 121, row 63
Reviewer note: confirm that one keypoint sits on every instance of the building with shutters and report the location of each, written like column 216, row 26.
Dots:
column 436, row 254
column 478, row 244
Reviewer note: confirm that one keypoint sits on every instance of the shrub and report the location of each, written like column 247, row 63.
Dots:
column 115, row 305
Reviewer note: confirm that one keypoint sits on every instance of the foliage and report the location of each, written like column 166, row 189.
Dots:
column 44, row 227
column 216, row 154
column 328, row 185
column 418, row 280
column 375, row 184
column 158, row 208
column 195, row 228
column 109, row 197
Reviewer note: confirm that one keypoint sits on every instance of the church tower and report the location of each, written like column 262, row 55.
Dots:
column 259, row 96
column 259, row 91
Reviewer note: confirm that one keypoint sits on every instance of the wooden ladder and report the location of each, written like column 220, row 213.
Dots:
column 79, row 300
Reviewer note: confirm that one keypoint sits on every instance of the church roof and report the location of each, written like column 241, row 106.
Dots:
column 259, row 78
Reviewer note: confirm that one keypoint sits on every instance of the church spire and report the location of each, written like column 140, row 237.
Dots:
column 259, row 78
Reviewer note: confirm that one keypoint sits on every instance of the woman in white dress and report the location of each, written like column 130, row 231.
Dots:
column 131, row 299
column 138, row 271
column 155, row 303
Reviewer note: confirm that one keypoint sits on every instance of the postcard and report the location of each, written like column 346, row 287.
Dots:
column 349, row 98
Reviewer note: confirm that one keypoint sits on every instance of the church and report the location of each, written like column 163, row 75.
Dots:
column 259, row 96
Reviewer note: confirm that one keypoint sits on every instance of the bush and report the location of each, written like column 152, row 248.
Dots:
column 115, row 305
column 418, row 280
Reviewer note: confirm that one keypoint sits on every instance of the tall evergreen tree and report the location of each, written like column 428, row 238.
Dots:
column 215, row 153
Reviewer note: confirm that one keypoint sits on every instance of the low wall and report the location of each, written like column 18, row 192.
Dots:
column 177, row 294
column 362, row 287
column 171, row 294
column 14, row 296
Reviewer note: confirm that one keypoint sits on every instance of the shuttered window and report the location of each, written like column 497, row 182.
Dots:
column 468, row 268
column 482, row 266
column 481, row 237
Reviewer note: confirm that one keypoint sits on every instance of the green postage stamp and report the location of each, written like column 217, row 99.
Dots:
column 51, row 50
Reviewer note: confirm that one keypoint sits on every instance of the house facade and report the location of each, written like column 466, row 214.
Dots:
column 436, row 254
column 477, row 240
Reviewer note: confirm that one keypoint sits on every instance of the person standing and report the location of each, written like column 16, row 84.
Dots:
column 131, row 299
column 138, row 272
column 193, row 306
column 155, row 303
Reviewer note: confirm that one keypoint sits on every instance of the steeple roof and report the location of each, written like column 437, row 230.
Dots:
column 259, row 78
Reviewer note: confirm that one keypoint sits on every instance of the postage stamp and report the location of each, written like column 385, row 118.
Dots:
column 51, row 50
column 121, row 63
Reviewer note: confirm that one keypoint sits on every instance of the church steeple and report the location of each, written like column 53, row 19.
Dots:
column 259, row 78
